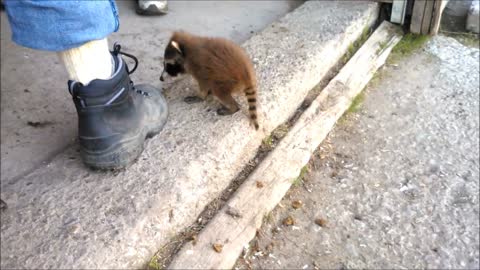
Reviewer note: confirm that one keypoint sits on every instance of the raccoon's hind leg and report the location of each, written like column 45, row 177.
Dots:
column 202, row 94
column 229, row 105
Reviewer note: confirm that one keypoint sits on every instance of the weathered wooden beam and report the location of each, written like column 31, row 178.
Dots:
column 437, row 15
column 426, row 16
column 399, row 8
column 417, row 16
column 252, row 202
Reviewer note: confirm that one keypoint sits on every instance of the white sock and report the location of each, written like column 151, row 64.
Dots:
column 88, row 62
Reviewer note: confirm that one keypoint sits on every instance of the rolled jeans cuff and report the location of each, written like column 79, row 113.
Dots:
column 60, row 25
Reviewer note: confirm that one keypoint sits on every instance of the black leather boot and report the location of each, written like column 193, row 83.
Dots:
column 115, row 116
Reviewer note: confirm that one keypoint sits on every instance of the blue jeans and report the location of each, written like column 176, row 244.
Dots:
column 60, row 25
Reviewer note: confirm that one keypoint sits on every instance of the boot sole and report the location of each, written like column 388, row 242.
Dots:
column 123, row 153
column 115, row 159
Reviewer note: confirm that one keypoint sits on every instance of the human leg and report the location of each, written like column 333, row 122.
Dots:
column 90, row 61
column 114, row 115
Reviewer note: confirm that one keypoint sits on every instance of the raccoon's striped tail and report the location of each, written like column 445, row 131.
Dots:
column 251, row 94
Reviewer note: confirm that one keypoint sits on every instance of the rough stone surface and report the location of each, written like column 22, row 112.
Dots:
column 62, row 215
column 396, row 184
column 473, row 18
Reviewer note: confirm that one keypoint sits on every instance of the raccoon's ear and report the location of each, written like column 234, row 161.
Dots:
column 176, row 46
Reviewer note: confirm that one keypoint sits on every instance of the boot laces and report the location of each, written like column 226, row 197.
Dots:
column 117, row 50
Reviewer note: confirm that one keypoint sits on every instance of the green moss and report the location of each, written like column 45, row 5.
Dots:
column 342, row 120
column 365, row 33
column 350, row 52
column 298, row 181
column 353, row 47
column 410, row 43
column 268, row 141
column 280, row 131
column 376, row 77
column 356, row 103
column 407, row 45
column 153, row 264
column 268, row 218
column 382, row 46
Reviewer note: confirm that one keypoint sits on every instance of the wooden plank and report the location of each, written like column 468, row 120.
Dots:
column 399, row 8
column 417, row 16
column 277, row 171
column 437, row 16
column 427, row 17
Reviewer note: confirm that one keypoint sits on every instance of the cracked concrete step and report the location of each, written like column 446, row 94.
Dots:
column 65, row 216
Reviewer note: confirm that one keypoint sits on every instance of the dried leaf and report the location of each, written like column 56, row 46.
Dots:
column 269, row 247
column 218, row 247
column 297, row 204
column 193, row 238
column 260, row 184
column 255, row 246
column 321, row 222
column 233, row 212
column 288, row 221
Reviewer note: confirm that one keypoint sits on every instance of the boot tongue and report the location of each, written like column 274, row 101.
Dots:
column 104, row 92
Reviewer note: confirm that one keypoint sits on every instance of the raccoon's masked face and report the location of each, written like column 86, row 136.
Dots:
column 174, row 69
column 173, row 60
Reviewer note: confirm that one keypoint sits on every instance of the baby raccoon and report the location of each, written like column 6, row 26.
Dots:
column 218, row 65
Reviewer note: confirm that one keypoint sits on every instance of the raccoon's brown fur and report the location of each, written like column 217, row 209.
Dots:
column 219, row 66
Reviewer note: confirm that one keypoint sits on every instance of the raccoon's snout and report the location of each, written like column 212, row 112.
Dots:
column 174, row 69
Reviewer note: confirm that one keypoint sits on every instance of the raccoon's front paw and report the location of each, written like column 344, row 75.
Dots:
column 225, row 111
column 192, row 99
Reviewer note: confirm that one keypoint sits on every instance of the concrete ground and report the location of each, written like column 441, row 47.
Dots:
column 396, row 183
column 33, row 83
